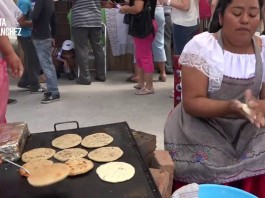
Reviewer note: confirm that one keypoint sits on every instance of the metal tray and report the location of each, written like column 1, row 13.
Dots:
column 89, row 184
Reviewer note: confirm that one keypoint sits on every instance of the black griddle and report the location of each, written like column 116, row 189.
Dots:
column 88, row 185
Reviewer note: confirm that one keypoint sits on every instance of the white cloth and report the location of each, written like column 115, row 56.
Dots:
column 121, row 43
column 10, row 13
column 186, row 18
column 205, row 53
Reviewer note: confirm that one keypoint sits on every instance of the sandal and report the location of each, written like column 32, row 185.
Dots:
column 162, row 78
column 138, row 86
column 132, row 79
column 145, row 91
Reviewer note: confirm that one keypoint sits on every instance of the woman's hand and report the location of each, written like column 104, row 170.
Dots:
column 124, row 9
column 15, row 64
column 251, row 109
column 256, row 109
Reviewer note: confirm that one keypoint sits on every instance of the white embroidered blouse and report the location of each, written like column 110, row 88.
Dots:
column 205, row 53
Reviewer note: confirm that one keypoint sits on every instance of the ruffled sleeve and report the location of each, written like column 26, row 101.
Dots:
column 204, row 53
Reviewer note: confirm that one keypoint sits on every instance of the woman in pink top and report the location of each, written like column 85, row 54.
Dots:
column 143, row 48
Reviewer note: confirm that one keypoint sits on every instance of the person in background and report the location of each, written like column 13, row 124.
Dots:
column 143, row 48
column 43, row 19
column 168, row 40
column 184, row 15
column 30, row 77
column 158, row 50
column 213, row 4
column 159, row 54
column 10, row 12
column 87, row 26
column 66, row 57
column 217, row 133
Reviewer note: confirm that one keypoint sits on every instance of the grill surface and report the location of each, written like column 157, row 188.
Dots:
column 89, row 184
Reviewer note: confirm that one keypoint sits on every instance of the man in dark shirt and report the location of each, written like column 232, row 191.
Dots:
column 43, row 19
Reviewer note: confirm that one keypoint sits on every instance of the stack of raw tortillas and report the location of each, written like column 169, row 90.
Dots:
column 105, row 154
column 67, row 141
column 71, row 153
column 96, row 140
column 37, row 154
column 47, row 175
column 115, row 172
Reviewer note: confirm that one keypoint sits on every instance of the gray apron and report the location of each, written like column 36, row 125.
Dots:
column 218, row 150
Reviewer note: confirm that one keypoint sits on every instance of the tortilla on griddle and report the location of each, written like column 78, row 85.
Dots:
column 72, row 153
column 37, row 154
column 47, row 175
column 79, row 166
column 105, row 154
column 67, row 141
column 96, row 140
column 115, row 172
column 32, row 165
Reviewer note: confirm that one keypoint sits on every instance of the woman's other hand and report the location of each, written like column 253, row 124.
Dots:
column 255, row 107
column 15, row 64
column 124, row 9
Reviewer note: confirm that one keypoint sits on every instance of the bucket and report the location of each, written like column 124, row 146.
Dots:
column 221, row 191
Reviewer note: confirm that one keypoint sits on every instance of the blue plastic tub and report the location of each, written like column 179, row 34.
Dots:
column 221, row 191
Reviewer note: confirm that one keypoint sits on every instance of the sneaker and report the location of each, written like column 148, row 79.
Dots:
column 46, row 94
column 51, row 98
column 11, row 101
column 38, row 91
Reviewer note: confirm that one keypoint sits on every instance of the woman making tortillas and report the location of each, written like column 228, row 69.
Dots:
column 216, row 134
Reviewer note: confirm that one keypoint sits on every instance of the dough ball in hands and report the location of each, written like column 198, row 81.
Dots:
column 246, row 109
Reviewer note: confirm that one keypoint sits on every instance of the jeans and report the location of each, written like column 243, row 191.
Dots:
column 168, row 42
column 44, row 51
column 81, row 36
column 31, row 71
column 182, row 35
column 159, row 54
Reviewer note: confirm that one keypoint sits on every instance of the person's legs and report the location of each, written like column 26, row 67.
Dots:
column 44, row 52
column 167, row 43
column 23, row 81
column 95, row 37
column 158, row 49
column 144, row 59
column 80, row 38
column 181, row 36
column 32, row 65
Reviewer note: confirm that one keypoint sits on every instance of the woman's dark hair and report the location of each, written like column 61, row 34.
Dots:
column 220, row 8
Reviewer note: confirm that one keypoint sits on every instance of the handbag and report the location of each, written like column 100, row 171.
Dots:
column 140, row 25
column 127, row 18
